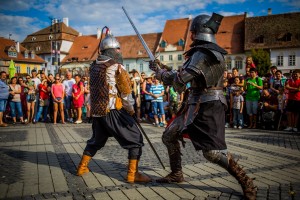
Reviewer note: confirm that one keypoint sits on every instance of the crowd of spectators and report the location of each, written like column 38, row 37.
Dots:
column 269, row 102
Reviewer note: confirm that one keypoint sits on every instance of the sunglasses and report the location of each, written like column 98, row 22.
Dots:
column 57, row 79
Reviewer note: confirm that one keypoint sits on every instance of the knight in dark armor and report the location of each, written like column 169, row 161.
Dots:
column 112, row 110
column 202, row 115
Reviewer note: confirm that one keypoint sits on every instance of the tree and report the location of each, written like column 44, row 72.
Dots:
column 262, row 61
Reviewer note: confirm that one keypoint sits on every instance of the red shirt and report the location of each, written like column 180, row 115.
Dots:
column 294, row 95
column 43, row 94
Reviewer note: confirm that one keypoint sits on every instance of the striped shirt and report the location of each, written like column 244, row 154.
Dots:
column 156, row 90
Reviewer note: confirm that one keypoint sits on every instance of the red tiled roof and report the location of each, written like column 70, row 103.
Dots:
column 84, row 48
column 230, row 35
column 175, row 30
column 5, row 44
column 132, row 47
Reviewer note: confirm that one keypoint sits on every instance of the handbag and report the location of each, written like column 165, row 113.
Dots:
column 44, row 102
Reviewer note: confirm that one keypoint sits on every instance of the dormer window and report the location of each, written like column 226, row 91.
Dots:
column 12, row 51
column 260, row 39
column 285, row 37
column 26, row 54
column 33, row 38
column 163, row 44
column 32, row 54
column 50, row 37
column 140, row 52
column 38, row 48
column 181, row 42
column 85, row 47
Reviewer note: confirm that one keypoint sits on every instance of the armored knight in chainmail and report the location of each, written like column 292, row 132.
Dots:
column 112, row 109
column 203, row 112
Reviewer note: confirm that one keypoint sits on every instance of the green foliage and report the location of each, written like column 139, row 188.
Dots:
column 262, row 61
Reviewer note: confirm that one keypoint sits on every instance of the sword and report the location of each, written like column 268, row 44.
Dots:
column 148, row 140
column 151, row 56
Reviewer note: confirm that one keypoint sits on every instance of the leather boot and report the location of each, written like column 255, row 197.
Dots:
column 176, row 174
column 133, row 175
column 83, row 165
column 245, row 181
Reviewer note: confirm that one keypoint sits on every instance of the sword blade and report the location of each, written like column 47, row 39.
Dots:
column 151, row 56
column 149, row 142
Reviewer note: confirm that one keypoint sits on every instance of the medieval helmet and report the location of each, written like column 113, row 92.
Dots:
column 109, row 42
column 205, row 27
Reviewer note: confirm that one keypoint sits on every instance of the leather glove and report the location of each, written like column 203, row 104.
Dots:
column 154, row 65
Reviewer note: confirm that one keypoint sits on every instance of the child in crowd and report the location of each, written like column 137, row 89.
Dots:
column 237, row 109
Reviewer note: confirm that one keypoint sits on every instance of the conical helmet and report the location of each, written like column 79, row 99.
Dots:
column 109, row 42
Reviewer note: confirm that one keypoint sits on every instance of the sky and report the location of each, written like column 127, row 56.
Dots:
column 19, row 18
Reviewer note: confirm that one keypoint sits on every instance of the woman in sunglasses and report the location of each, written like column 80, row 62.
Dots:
column 57, row 92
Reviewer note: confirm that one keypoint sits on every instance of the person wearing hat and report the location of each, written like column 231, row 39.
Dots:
column 112, row 110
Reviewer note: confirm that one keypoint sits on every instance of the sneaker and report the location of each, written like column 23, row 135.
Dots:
column 226, row 125
column 295, row 129
column 240, row 127
column 161, row 124
column 288, row 129
column 234, row 126
column 78, row 122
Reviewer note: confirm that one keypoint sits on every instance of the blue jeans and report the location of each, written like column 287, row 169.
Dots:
column 158, row 108
column 43, row 109
column 15, row 106
column 3, row 105
column 237, row 118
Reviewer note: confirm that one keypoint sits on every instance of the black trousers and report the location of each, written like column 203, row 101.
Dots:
column 120, row 125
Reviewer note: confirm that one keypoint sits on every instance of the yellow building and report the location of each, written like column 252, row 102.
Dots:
column 24, row 60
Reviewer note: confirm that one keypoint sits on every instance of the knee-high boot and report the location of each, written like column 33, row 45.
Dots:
column 133, row 175
column 245, row 181
column 83, row 165
column 176, row 174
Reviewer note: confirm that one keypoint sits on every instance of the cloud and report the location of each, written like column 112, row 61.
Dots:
column 15, row 5
column 18, row 26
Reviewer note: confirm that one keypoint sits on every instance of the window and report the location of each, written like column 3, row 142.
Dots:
column 49, row 59
column 239, row 64
column 18, row 69
column 292, row 60
column 179, row 57
column 228, row 64
column 163, row 44
column 181, row 42
column 141, row 67
column 280, row 60
column 161, row 58
column 12, row 54
column 33, row 38
column 285, row 37
column 50, row 37
column 170, row 57
column 38, row 48
column 259, row 39
column 26, row 54
column 28, row 70
column 127, row 67
column 32, row 55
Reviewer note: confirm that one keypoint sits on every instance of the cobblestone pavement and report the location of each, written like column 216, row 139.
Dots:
column 39, row 162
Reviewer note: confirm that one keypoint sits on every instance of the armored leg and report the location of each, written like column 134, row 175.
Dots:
column 170, row 139
column 225, row 160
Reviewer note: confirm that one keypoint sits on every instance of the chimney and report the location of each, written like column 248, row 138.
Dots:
column 66, row 21
column 80, row 34
column 190, row 17
column 269, row 11
column 245, row 14
column 98, row 33
column 18, row 47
